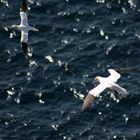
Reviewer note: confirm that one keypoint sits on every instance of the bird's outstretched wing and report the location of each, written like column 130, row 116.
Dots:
column 93, row 93
column 33, row 29
column 114, row 76
column 121, row 91
column 97, row 90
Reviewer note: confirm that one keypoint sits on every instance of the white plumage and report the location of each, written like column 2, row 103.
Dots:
column 24, row 19
column 24, row 36
column 108, row 82
column 114, row 76
column 24, row 27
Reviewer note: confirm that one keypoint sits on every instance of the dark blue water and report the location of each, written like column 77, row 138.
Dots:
column 78, row 39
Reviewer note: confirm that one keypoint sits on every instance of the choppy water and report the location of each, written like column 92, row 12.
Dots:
column 78, row 39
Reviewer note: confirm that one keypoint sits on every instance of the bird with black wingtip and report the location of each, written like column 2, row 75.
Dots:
column 24, row 28
column 104, row 82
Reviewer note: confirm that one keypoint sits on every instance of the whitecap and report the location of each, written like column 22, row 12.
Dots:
column 49, row 58
column 102, row 32
column 5, row 2
column 100, row 1
column 75, row 30
column 77, row 94
column 60, row 63
column 132, row 3
column 11, row 35
column 106, row 37
column 126, row 118
column 65, row 41
column 32, row 63
column 17, row 100
column 55, row 127
column 41, row 101
column 10, row 92
column 6, row 29
column 114, row 97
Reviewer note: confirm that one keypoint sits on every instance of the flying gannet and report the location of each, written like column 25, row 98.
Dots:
column 104, row 82
column 24, row 27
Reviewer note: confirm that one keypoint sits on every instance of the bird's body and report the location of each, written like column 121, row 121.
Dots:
column 24, row 27
column 108, row 82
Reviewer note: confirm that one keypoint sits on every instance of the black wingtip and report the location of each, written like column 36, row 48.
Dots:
column 122, row 70
column 88, row 100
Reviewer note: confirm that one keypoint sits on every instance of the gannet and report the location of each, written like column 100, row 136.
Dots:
column 24, row 27
column 104, row 82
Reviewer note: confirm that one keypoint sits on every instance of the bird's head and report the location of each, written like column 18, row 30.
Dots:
column 97, row 80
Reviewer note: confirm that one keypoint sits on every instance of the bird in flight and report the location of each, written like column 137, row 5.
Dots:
column 104, row 82
column 24, row 28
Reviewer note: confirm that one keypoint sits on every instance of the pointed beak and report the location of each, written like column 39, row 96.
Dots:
column 95, row 82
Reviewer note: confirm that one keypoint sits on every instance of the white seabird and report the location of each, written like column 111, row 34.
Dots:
column 24, row 27
column 108, row 82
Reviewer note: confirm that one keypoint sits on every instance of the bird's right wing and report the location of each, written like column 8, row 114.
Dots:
column 114, row 76
column 33, row 29
column 93, row 93
column 121, row 91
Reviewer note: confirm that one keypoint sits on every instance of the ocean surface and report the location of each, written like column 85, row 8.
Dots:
column 41, row 98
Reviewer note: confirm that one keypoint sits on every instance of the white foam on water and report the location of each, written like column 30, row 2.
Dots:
column 5, row 2
column 49, row 58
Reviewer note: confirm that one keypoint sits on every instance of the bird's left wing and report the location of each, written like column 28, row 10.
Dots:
column 93, row 93
column 114, row 76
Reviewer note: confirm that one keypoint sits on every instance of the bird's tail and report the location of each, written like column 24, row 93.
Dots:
column 26, row 50
column 33, row 29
